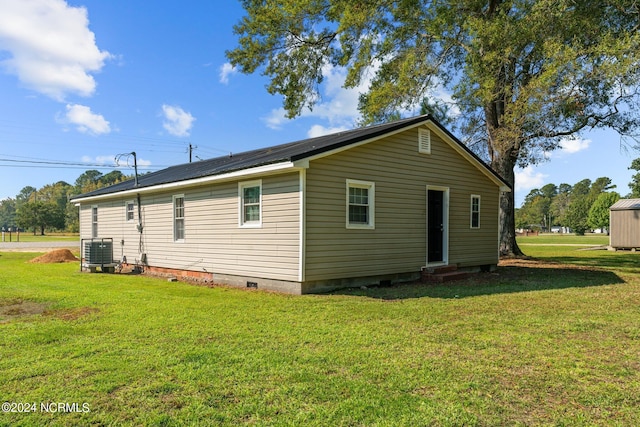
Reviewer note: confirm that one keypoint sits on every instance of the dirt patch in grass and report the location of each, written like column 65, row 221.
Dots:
column 55, row 256
column 17, row 308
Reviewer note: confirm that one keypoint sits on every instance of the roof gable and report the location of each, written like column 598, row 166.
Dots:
column 626, row 204
column 234, row 164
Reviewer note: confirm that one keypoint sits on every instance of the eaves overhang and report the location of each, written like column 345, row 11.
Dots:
column 270, row 169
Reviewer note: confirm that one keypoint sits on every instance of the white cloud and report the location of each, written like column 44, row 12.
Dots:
column 341, row 105
column 276, row 118
column 225, row 71
column 86, row 121
column 142, row 163
column 527, row 179
column 107, row 160
column 319, row 130
column 127, row 162
column 573, row 145
column 51, row 49
column 338, row 106
column 177, row 121
column 567, row 146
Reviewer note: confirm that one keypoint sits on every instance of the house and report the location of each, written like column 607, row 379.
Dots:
column 624, row 224
column 367, row 206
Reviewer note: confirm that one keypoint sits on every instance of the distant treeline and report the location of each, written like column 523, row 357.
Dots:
column 48, row 208
column 581, row 207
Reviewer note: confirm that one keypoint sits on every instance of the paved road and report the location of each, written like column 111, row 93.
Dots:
column 37, row 246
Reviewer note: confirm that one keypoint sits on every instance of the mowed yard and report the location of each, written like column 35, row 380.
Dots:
column 554, row 341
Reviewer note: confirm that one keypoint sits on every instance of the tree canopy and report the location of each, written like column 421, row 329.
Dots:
column 40, row 215
column 599, row 212
column 523, row 73
column 635, row 179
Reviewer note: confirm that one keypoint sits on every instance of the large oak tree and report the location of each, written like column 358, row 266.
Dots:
column 523, row 73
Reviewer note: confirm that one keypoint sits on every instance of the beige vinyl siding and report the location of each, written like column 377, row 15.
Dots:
column 213, row 241
column 624, row 229
column 398, row 242
column 473, row 246
column 85, row 221
column 112, row 223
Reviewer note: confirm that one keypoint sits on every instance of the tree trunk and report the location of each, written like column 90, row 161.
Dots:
column 504, row 164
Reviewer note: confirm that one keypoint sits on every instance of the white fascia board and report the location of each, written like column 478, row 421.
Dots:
column 243, row 174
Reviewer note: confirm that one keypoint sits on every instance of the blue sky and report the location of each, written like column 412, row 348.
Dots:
column 84, row 81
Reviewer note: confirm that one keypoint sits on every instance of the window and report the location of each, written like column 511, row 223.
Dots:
column 475, row 211
column 424, row 141
column 130, row 210
column 94, row 222
column 360, row 204
column 178, row 218
column 250, row 203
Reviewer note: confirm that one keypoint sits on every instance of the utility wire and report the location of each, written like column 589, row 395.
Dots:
column 51, row 162
column 64, row 167
column 62, row 164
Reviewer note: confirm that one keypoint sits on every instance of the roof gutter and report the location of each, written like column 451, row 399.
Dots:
column 244, row 173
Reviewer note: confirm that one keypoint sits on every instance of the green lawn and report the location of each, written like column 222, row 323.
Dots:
column 51, row 237
column 541, row 345
column 565, row 239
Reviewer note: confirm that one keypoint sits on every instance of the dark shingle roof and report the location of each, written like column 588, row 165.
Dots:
column 292, row 151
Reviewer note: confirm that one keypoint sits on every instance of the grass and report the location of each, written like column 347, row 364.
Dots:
column 553, row 249
column 49, row 237
column 541, row 345
column 564, row 239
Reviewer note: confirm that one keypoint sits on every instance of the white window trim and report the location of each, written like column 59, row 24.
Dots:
column 371, row 186
column 126, row 210
column 241, row 222
column 184, row 217
column 94, row 224
column 474, row 196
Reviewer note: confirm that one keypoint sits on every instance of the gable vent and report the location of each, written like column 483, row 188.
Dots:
column 424, row 141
